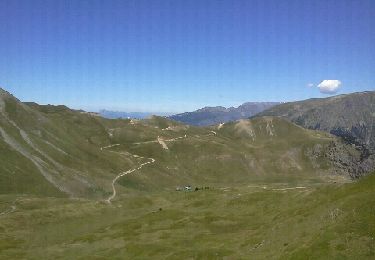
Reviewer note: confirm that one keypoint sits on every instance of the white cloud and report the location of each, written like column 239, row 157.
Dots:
column 329, row 86
column 310, row 85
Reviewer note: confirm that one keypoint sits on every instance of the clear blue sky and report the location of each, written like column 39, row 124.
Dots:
column 180, row 55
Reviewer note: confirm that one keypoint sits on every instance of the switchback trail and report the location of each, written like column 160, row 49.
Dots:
column 151, row 160
column 114, row 193
column 10, row 210
column 160, row 139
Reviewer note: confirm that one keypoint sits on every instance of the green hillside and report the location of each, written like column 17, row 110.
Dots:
column 56, row 151
column 76, row 185
column 55, row 143
column 350, row 116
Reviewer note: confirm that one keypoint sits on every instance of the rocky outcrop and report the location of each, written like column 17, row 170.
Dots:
column 350, row 117
column 350, row 161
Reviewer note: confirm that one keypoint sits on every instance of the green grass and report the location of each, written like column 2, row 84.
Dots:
column 68, row 144
column 329, row 221
column 243, row 215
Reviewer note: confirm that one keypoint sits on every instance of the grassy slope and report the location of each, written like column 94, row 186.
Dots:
column 236, row 217
column 72, row 141
column 68, row 143
column 234, row 157
column 350, row 116
column 326, row 222
column 18, row 175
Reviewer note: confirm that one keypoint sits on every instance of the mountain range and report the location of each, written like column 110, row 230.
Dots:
column 60, row 149
column 74, row 184
column 215, row 115
column 127, row 115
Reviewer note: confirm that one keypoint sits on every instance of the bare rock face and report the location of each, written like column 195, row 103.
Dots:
column 350, row 161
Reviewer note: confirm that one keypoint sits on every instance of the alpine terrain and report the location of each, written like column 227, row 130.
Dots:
column 76, row 185
column 350, row 116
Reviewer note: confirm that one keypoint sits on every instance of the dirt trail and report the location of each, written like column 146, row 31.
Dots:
column 151, row 160
column 291, row 188
column 114, row 193
column 147, row 142
column 162, row 143
column 175, row 139
column 160, row 139
column 277, row 189
column 10, row 210
column 109, row 146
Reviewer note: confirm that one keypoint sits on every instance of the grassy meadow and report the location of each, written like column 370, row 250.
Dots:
column 325, row 221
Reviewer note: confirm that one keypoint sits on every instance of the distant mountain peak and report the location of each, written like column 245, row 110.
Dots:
column 212, row 109
column 219, row 114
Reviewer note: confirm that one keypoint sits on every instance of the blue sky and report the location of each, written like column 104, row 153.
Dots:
column 174, row 55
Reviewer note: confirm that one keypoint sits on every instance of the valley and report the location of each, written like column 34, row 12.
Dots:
column 75, row 185
column 199, row 129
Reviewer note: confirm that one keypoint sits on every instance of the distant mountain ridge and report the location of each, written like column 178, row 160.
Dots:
column 131, row 115
column 55, row 151
column 350, row 116
column 215, row 115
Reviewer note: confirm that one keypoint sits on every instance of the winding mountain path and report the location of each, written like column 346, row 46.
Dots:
column 158, row 140
column 114, row 193
column 10, row 210
column 109, row 146
column 150, row 160
column 162, row 143
column 175, row 139
column 290, row 188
